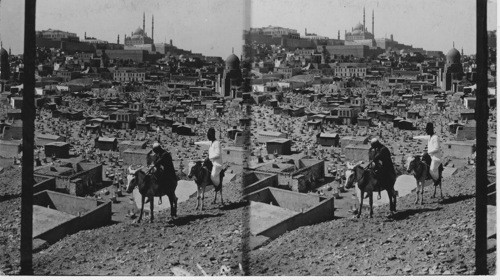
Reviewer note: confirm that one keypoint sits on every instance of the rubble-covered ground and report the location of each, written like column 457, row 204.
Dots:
column 209, row 238
column 433, row 239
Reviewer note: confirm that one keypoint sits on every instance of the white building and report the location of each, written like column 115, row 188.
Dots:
column 348, row 71
column 129, row 75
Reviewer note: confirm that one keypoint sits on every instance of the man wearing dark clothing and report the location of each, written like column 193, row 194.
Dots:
column 383, row 166
column 163, row 167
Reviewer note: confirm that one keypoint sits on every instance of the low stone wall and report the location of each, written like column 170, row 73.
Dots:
column 313, row 209
column 89, row 213
column 356, row 153
column 264, row 180
column 45, row 183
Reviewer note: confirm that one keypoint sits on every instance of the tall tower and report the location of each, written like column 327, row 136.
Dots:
column 118, row 39
column 338, row 35
column 364, row 25
column 373, row 24
column 153, row 28
column 144, row 21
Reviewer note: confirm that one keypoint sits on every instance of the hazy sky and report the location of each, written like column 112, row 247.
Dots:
column 431, row 24
column 213, row 27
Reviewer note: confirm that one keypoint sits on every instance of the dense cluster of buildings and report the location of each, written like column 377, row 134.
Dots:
column 358, row 42
column 314, row 101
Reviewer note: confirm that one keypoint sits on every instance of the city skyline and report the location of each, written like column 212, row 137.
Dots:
column 218, row 24
column 427, row 24
column 213, row 27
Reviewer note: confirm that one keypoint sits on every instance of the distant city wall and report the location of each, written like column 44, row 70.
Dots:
column 289, row 43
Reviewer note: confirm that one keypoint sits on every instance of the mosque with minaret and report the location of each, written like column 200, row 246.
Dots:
column 359, row 35
column 139, row 39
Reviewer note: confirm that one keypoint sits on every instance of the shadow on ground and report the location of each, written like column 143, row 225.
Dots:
column 184, row 220
column 234, row 205
column 9, row 197
column 402, row 215
column 455, row 199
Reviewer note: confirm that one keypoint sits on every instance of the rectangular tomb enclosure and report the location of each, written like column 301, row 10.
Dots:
column 56, row 215
column 275, row 211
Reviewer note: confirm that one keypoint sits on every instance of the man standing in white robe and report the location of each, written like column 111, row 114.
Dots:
column 433, row 149
column 214, row 155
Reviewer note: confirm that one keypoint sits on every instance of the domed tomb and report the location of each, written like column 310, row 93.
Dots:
column 232, row 62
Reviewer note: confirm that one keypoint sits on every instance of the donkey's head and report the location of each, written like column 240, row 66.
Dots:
column 132, row 179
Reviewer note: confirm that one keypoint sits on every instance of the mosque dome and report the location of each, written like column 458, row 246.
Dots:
column 138, row 31
column 453, row 56
column 358, row 26
column 232, row 62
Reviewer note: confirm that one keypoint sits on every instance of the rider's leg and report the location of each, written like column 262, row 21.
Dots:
column 215, row 175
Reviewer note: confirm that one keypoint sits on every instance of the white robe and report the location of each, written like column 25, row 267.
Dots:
column 215, row 156
column 434, row 151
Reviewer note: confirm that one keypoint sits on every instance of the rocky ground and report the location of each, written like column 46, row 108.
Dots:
column 433, row 239
column 436, row 238
column 209, row 238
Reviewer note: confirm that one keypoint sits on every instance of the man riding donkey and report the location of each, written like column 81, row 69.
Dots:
column 214, row 161
column 433, row 155
column 210, row 171
column 378, row 175
column 162, row 168
column 158, row 181
column 383, row 168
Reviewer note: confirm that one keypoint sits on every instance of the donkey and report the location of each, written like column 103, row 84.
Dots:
column 200, row 170
column 365, row 178
column 419, row 168
column 150, row 188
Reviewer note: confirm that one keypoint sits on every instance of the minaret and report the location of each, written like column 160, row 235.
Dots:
column 338, row 35
column 152, row 28
column 364, row 25
column 118, row 39
column 373, row 24
column 144, row 22
column 85, row 35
